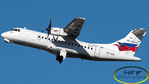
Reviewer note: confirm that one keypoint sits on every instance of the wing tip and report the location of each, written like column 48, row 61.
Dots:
column 80, row 18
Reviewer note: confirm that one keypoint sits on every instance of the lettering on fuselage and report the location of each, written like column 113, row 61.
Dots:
column 55, row 37
column 110, row 53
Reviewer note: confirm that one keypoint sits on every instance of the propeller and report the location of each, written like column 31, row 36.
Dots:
column 42, row 30
column 49, row 27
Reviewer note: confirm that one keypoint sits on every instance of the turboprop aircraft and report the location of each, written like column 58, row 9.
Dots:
column 62, row 42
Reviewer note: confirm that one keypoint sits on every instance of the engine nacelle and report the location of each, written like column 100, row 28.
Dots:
column 58, row 31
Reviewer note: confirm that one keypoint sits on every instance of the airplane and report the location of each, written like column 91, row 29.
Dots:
column 62, row 42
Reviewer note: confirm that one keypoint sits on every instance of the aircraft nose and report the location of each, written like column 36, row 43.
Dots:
column 3, row 35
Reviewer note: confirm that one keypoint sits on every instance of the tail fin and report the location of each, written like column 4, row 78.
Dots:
column 131, row 42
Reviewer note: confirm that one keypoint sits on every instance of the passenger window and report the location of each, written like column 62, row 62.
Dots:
column 62, row 41
column 65, row 42
column 78, row 45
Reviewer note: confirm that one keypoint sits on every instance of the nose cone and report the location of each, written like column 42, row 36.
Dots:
column 3, row 35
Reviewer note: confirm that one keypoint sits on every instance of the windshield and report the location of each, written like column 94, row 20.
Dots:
column 16, row 30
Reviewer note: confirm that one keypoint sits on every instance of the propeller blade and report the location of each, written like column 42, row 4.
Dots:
column 49, row 27
column 50, row 24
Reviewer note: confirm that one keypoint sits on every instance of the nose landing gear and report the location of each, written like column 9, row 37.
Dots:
column 6, row 40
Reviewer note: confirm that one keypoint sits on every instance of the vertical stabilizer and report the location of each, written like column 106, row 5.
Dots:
column 131, row 42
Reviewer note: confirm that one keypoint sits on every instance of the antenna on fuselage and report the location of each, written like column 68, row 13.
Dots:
column 24, row 27
column 42, row 30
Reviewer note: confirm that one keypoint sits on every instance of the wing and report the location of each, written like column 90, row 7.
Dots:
column 73, row 29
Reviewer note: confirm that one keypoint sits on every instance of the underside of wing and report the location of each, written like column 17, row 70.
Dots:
column 73, row 29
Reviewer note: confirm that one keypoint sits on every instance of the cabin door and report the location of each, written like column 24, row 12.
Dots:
column 97, row 51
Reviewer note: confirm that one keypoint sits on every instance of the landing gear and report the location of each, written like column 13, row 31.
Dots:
column 61, row 56
column 6, row 40
column 59, row 59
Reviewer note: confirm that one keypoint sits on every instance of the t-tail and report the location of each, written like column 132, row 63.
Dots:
column 131, row 42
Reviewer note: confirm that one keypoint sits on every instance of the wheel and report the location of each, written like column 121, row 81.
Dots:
column 59, row 59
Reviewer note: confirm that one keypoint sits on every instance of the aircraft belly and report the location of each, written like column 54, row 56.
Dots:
column 80, row 54
column 29, row 44
column 110, row 55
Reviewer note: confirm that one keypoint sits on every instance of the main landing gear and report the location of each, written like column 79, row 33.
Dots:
column 61, row 56
column 59, row 59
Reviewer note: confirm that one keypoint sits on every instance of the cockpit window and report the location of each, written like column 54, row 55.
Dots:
column 14, row 30
column 18, row 30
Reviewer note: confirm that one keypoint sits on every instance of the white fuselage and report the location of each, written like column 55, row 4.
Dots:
column 75, row 48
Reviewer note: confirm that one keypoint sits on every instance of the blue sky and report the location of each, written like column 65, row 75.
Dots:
column 106, row 21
